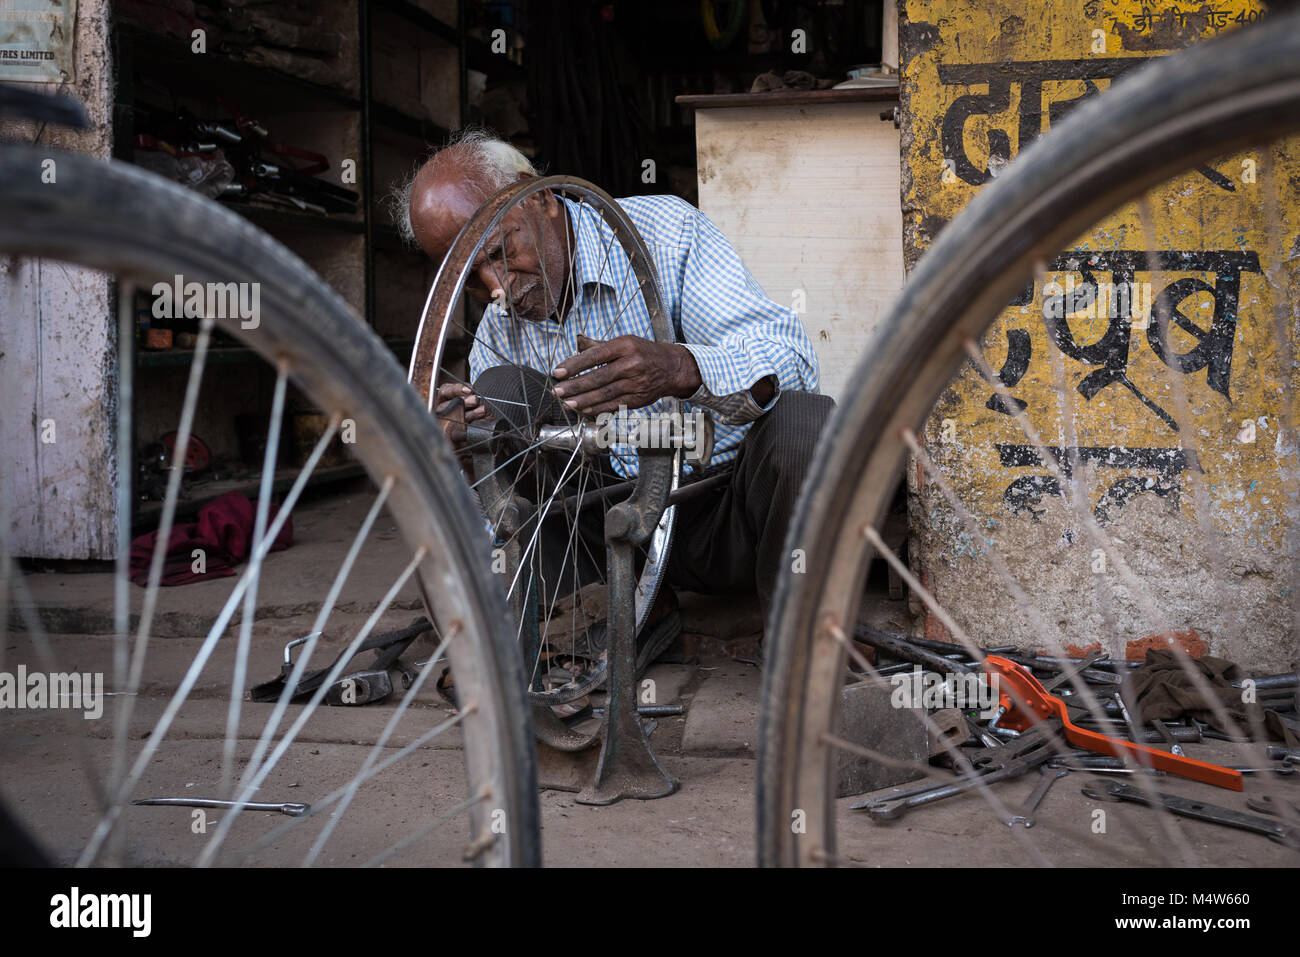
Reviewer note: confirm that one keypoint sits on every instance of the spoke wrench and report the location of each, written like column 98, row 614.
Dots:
column 1024, row 702
column 1026, row 815
column 1199, row 810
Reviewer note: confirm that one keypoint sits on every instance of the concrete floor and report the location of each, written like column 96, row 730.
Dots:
column 710, row 750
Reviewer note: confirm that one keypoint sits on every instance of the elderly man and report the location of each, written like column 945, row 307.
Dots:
column 738, row 353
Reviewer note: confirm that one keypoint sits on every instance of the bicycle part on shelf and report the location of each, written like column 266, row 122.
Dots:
column 1050, row 775
column 197, row 456
column 1028, row 702
column 1198, row 810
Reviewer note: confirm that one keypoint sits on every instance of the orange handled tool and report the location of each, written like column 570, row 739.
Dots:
column 1041, row 704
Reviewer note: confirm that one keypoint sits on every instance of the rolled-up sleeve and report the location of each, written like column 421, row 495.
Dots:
column 737, row 335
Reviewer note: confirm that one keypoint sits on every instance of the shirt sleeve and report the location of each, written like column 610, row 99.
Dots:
column 737, row 335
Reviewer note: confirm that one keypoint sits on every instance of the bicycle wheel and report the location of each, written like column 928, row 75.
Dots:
column 1224, row 95
column 142, row 229
column 545, row 485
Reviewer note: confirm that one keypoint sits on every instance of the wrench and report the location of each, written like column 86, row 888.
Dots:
column 1010, row 760
column 1199, row 810
column 1026, row 815
column 1097, row 764
column 1070, row 671
column 1168, row 737
column 290, row 808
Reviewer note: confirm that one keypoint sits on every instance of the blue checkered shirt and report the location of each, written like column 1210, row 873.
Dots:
column 718, row 311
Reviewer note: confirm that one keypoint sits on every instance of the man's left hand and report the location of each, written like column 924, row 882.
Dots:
column 629, row 371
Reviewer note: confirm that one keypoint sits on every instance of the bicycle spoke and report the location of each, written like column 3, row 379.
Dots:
column 327, row 606
column 168, row 515
column 255, row 774
column 122, row 791
column 254, row 570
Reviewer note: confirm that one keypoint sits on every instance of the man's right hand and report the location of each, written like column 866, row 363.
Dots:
column 456, row 407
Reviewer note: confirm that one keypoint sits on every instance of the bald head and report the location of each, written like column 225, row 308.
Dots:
column 524, row 257
column 469, row 169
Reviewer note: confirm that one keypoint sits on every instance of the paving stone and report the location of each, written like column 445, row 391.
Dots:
column 722, row 717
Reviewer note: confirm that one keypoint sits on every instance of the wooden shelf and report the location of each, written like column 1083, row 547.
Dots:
column 222, row 355
column 209, row 73
column 478, row 54
column 419, row 17
column 161, row 73
column 267, row 216
column 201, row 493
column 704, row 101
column 402, row 122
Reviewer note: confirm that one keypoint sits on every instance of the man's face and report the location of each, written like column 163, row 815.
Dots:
column 523, row 264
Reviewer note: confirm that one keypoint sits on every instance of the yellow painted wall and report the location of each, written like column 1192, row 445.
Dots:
column 980, row 80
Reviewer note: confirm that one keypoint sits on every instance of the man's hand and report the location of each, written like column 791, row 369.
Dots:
column 633, row 372
column 457, row 405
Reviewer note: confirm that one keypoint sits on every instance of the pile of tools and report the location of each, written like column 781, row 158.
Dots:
column 1054, row 715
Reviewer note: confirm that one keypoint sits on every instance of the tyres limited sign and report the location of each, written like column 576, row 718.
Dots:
column 36, row 40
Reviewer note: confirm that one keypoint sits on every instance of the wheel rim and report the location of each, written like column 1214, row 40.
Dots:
column 442, row 322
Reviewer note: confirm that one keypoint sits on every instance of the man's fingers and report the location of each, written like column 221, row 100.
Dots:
column 607, row 398
column 453, row 390
column 597, row 354
column 578, row 386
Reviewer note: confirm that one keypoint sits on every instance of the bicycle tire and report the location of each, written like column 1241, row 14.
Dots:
column 111, row 216
column 1166, row 117
column 438, row 320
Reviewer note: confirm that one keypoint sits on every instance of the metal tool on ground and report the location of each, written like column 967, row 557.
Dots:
column 388, row 645
column 360, row 687
column 903, row 648
column 1050, row 776
column 1009, row 760
column 1069, row 671
column 1199, row 810
column 1168, row 737
column 291, row 808
column 1023, row 703
column 1097, row 764
column 1266, row 805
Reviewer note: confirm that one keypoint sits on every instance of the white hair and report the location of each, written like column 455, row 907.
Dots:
column 490, row 162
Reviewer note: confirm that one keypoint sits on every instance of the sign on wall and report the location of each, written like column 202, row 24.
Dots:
column 36, row 40
column 1145, row 354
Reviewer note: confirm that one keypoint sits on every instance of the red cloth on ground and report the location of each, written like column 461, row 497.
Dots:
column 224, row 531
